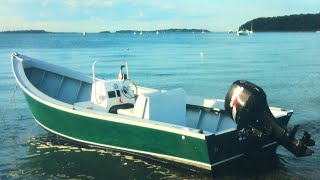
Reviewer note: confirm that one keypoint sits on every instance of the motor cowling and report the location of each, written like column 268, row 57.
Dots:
column 247, row 105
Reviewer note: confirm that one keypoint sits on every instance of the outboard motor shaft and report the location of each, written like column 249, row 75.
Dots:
column 248, row 107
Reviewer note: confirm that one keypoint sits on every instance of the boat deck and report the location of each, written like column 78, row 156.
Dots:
column 72, row 89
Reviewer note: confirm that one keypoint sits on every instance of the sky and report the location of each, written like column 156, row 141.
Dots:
column 112, row 15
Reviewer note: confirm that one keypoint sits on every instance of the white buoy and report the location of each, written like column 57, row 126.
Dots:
column 201, row 55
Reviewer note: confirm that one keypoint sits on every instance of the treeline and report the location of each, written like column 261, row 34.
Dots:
column 26, row 31
column 291, row 23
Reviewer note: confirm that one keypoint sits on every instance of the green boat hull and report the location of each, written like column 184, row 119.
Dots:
column 207, row 153
column 120, row 135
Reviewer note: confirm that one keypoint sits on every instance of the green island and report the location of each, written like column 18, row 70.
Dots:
column 26, row 31
column 290, row 23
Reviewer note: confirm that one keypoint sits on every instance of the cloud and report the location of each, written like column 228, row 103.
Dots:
column 99, row 3
column 140, row 15
column 97, row 15
column 14, row 22
column 45, row 3
column 89, row 3
column 71, row 3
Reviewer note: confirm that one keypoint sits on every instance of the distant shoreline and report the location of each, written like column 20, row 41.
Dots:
column 165, row 31
column 137, row 32
column 119, row 31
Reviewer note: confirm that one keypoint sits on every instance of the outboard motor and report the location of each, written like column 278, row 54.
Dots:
column 248, row 107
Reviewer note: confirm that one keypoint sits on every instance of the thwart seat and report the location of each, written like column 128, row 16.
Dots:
column 138, row 110
column 165, row 106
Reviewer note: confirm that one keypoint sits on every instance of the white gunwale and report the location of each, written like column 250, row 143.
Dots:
column 28, row 88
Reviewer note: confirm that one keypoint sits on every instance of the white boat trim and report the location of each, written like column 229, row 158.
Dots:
column 229, row 159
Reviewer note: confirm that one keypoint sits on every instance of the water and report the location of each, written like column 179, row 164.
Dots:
column 285, row 65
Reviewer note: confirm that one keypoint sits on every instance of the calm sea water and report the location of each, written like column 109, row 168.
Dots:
column 285, row 65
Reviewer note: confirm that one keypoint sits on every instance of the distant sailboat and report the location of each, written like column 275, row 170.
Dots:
column 84, row 33
column 157, row 33
column 251, row 31
column 230, row 31
column 243, row 32
column 140, row 33
column 203, row 32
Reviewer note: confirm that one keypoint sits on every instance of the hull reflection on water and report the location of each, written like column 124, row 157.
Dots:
column 49, row 156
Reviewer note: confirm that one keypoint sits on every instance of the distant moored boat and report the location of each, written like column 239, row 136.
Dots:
column 243, row 32
column 251, row 31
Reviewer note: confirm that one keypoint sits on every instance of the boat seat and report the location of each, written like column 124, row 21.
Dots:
column 138, row 110
column 115, row 108
column 165, row 106
column 128, row 112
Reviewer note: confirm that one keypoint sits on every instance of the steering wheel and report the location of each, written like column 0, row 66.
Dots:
column 126, row 89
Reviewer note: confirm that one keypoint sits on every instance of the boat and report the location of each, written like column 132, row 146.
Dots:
column 243, row 32
column 140, row 33
column 251, row 31
column 167, row 125
column 157, row 33
column 84, row 33
column 134, row 33
column 230, row 31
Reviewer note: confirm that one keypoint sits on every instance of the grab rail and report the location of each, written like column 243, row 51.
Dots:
column 106, row 61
